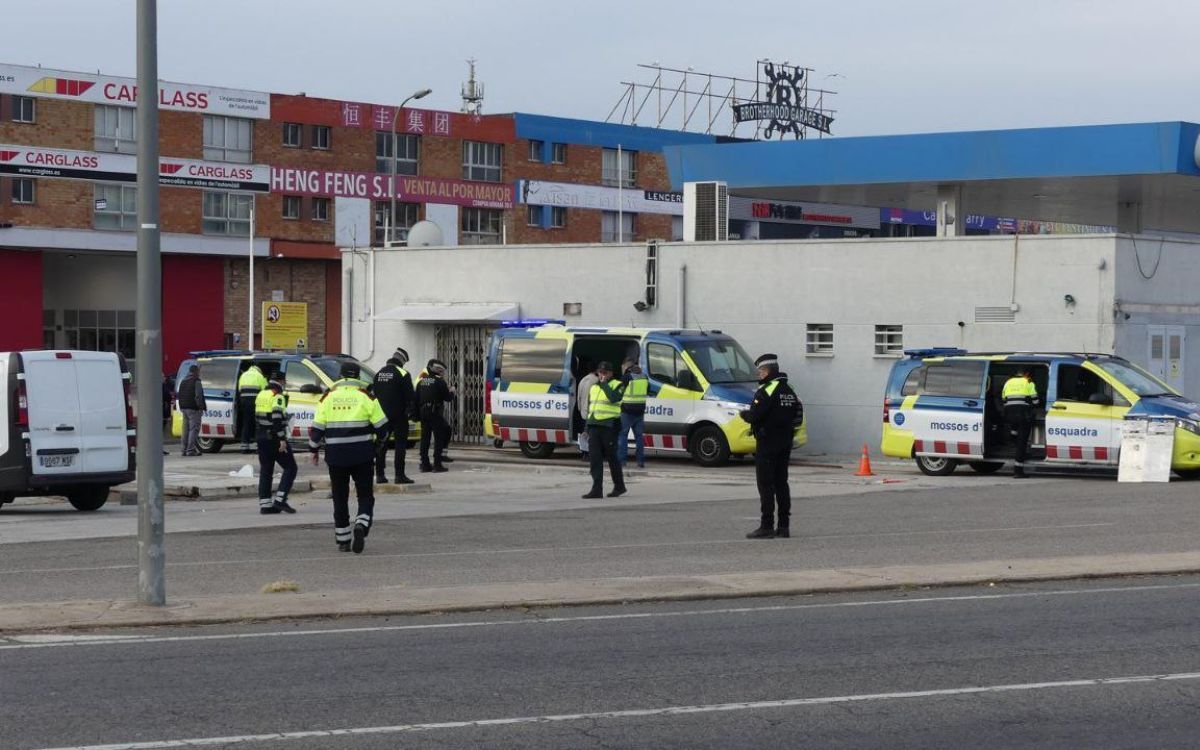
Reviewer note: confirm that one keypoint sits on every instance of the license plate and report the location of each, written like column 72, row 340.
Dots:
column 56, row 462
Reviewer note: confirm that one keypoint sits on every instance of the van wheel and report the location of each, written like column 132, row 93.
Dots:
column 209, row 444
column 709, row 446
column 986, row 467
column 1188, row 474
column 536, row 450
column 88, row 498
column 936, row 466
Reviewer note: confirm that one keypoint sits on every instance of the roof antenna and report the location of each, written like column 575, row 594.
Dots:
column 472, row 92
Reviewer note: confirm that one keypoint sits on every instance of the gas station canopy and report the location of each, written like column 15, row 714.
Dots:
column 1135, row 176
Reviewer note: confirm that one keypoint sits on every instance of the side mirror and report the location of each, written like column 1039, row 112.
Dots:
column 686, row 379
column 1100, row 399
column 312, row 389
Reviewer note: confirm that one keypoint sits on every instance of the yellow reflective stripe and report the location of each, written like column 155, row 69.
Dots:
column 528, row 387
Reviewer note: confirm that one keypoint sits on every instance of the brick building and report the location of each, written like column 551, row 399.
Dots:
column 315, row 174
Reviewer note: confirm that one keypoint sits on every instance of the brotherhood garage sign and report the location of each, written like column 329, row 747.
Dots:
column 27, row 161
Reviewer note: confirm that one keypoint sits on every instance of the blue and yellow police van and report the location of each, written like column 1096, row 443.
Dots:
column 943, row 408
column 698, row 383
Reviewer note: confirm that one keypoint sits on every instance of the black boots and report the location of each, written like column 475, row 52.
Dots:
column 618, row 491
column 360, row 538
column 762, row 532
column 594, row 494
column 403, row 479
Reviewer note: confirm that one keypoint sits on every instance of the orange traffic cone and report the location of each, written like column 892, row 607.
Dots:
column 864, row 464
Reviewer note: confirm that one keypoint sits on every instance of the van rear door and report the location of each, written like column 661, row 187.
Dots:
column 55, row 423
column 947, row 417
column 102, row 412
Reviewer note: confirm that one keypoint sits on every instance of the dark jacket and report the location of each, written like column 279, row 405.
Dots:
column 191, row 393
column 393, row 388
column 432, row 392
column 774, row 413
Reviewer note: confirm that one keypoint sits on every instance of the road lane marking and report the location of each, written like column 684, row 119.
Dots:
column 585, row 548
column 19, row 642
column 640, row 713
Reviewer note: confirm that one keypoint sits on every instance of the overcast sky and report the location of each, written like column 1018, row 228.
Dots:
column 922, row 65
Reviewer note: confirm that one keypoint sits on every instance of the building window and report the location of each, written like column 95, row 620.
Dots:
column 889, row 340
column 406, row 216
column 480, row 226
column 291, row 207
column 819, row 339
column 533, row 216
column 24, row 109
column 403, row 157
column 227, row 213
column 115, row 207
column 100, row 330
column 616, row 171
column 320, row 209
column 116, row 129
column 293, row 132
column 24, row 190
column 535, row 150
column 617, row 227
column 482, row 161
column 320, row 137
column 228, row 139
column 558, row 153
column 558, row 217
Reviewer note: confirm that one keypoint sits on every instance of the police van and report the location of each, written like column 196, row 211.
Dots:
column 698, row 383
column 943, row 407
column 309, row 376
column 66, row 426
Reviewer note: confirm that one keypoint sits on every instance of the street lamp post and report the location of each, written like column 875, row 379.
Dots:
column 395, row 156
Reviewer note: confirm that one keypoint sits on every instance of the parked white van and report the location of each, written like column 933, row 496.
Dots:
column 66, row 426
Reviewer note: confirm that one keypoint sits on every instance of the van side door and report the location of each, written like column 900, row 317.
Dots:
column 946, row 418
column 304, row 385
column 674, row 393
column 1082, row 421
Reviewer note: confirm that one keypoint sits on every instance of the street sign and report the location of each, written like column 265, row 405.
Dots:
column 284, row 325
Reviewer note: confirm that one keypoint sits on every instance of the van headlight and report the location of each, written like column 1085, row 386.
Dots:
column 1190, row 425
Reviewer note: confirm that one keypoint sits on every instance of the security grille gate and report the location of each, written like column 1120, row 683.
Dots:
column 464, row 350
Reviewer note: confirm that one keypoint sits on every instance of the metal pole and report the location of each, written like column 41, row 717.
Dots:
column 148, row 348
column 250, row 318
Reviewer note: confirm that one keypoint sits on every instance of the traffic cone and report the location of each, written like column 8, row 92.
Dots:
column 864, row 464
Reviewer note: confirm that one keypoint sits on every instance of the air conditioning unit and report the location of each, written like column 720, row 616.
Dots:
column 705, row 212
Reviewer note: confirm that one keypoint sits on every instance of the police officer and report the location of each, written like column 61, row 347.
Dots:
column 271, row 418
column 604, row 420
column 249, row 385
column 633, row 413
column 347, row 423
column 432, row 395
column 1020, row 397
column 772, row 416
column 394, row 390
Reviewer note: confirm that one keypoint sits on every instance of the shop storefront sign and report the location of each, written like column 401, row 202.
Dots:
column 375, row 186
column 27, row 161
column 599, row 197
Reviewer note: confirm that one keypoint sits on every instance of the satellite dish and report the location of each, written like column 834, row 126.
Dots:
column 425, row 234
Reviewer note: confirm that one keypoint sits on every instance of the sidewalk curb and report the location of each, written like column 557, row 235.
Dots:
column 398, row 601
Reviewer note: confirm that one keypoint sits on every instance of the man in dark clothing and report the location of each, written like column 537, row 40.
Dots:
column 271, row 430
column 633, row 413
column 192, row 405
column 432, row 395
column 773, row 416
column 604, row 421
column 393, row 389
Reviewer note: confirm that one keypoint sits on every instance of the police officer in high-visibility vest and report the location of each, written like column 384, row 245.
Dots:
column 393, row 388
column 773, row 415
column 1020, row 398
column 633, row 413
column 249, row 385
column 604, row 421
column 348, row 422
column 271, row 418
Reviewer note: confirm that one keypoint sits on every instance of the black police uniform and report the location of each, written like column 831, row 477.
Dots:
column 432, row 395
column 271, row 428
column 393, row 389
column 773, row 416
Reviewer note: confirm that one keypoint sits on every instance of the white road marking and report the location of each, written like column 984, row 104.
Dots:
column 585, row 548
column 13, row 643
column 638, row 713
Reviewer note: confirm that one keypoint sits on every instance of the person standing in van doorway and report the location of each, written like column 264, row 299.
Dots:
column 604, row 420
column 249, row 385
column 192, row 405
column 1020, row 396
column 583, row 394
column 271, row 418
column 394, row 389
column 432, row 395
column 772, row 416
column 633, row 413
column 348, row 423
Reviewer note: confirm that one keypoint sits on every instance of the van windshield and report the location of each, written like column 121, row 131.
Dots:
column 1141, row 383
column 722, row 361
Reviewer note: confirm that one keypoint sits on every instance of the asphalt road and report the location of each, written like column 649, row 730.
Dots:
column 1101, row 664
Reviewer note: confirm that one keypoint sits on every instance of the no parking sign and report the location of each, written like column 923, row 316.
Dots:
column 285, row 325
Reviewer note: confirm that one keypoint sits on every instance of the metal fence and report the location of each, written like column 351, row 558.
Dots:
column 464, row 350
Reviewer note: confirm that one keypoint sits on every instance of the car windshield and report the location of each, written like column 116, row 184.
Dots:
column 722, row 361
column 332, row 367
column 1133, row 378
